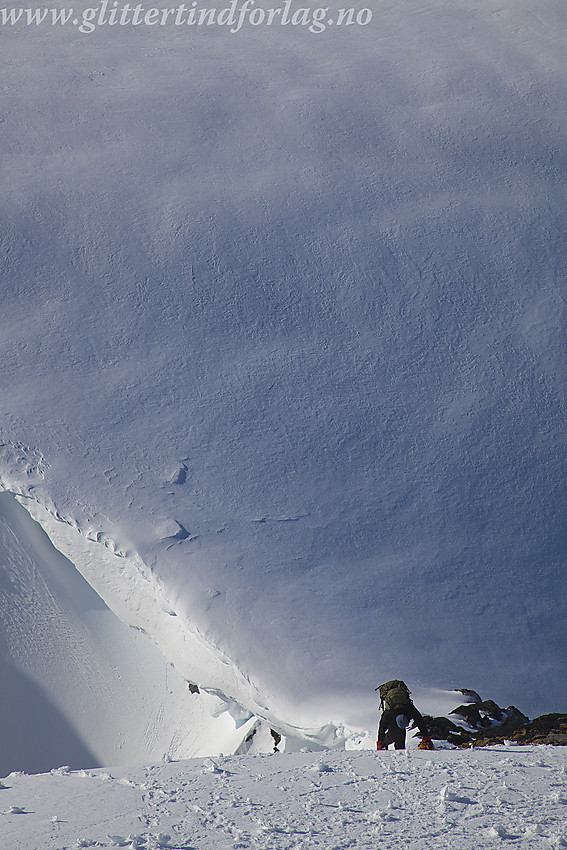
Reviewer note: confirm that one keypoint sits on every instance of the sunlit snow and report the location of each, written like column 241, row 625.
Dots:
column 449, row 800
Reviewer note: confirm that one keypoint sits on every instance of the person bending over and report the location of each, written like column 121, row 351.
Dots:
column 398, row 712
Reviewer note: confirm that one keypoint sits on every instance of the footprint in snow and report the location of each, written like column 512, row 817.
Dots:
column 499, row 831
column 321, row 768
column 451, row 797
column 145, row 840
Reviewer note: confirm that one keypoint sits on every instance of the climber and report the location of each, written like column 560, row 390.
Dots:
column 398, row 712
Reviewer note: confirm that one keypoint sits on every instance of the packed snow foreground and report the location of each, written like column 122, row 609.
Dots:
column 451, row 800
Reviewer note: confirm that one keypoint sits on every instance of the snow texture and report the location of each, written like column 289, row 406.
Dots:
column 283, row 367
column 78, row 684
column 448, row 800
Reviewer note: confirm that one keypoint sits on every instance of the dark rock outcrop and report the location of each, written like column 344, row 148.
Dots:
column 443, row 729
column 472, row 695
column 480, row 720
column 487, row 714
column 481, row 723
column 547, row 729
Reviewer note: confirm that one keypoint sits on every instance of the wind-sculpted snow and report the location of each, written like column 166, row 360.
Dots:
column 283, row 346
column 81, row 686
column 78, row 684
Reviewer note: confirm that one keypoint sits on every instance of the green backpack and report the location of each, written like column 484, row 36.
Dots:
column 394, row 694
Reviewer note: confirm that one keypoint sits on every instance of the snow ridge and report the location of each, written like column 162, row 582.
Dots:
column 137, row 596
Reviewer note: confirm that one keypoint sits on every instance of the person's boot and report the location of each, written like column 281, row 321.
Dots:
column 380, row 745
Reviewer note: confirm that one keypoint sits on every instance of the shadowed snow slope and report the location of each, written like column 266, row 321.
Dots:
column 283, row 337
column 80, row 687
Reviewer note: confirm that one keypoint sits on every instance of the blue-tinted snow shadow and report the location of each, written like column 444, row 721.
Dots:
column 57, row 570
column 35, row 736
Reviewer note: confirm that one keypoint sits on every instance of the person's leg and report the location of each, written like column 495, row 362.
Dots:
column 390, row 729
column 399, row 738
column 385, row 725
column 389, row 738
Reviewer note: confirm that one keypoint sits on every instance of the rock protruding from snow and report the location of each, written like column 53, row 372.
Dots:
column 484, row 723
column 547, row 729
column 480, row 719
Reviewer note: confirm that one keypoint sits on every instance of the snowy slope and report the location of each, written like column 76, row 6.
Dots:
column 283, row 345
column 79, row 686
column 455, row 800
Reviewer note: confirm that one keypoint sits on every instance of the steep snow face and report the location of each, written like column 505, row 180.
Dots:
column 79, row 686
column 83, row 688
column 283, row 327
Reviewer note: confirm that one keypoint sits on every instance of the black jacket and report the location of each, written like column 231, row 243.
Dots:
column 388, row 719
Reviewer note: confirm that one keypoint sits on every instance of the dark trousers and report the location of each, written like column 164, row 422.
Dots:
column 389, row 732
